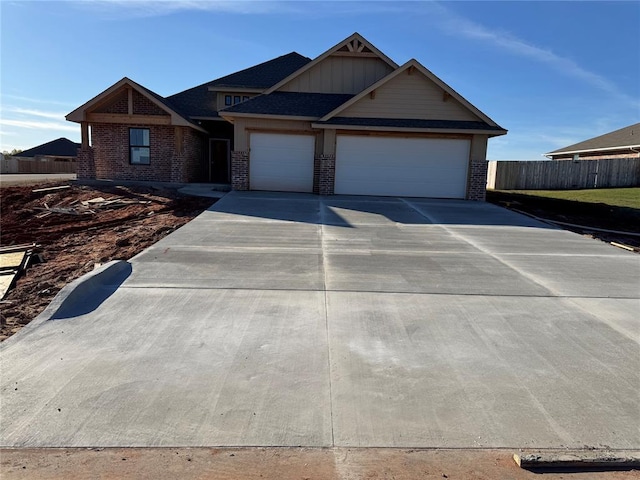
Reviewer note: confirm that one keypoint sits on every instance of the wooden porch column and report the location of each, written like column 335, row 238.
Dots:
column 84, row 132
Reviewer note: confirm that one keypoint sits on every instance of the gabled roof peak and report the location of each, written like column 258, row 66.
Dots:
column 413, row 65
column 352, row 45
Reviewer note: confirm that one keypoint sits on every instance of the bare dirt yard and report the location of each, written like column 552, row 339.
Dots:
column 589, row 215
column 280, row 463
column 73, row 237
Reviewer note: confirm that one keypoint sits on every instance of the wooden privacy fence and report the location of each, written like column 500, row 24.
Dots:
column 19, row 165
column 564, row 174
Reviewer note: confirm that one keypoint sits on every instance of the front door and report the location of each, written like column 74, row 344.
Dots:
column 219, row 160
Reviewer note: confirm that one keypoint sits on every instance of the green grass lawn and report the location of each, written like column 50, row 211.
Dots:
column 620, row 197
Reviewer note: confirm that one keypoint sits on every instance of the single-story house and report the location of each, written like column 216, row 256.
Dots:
column 623, row 143
column 350, row 121
column 61, row 150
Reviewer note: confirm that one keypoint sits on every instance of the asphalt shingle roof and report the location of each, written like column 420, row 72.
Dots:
column 411, row 123
column 200, row 102
column 62, row 147
column 292, row 103
column 625, row 137
column 263, row 75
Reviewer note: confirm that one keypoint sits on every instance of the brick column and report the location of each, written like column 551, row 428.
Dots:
column 178, row 173
column 239, row 170
column 477, row 189
column 86, row 165
column 477, row 182
column 326, row 174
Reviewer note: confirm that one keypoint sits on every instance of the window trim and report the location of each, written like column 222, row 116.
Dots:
column 228, row 100
column 132, row 146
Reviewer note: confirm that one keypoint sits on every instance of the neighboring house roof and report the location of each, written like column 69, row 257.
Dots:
column 410, row 123
column 624, row 138
column 313, row 105
column 62, row 147
column 200, row 101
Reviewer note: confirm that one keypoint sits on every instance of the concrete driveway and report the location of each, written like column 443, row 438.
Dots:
column 290, row 319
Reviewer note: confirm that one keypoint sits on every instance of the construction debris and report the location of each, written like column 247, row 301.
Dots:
column 625, row 247
column 579, row 460
column 88, row 207
column 13, row 261
column 51, row 189
column 114, row 202
column 125, row 221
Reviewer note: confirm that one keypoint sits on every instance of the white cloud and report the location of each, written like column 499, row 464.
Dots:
column 38, row 125
column 454, row 24
column 37, row 100
column 152, row 8
column 36, row 113
column 315, row 8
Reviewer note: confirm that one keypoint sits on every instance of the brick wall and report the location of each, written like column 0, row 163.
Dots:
column 111, row 154
column 240, row 170
column 86, row 165
column 187, row 157
column 144, row 106
column 477, row 184
column 119, row 103
column 324, row 174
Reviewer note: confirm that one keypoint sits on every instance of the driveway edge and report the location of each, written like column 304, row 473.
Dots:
column 89, row 286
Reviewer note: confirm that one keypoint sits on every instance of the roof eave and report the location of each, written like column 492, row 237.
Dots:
column 232, row 115
column 376, row 128
column 603, row 149
column 222, row 88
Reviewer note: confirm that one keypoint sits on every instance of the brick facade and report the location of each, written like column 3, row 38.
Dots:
column 171, row 160
column 477, row 183
column 176, row 152
column 120, row 104
column 324, row 179
column 240, row 170
column 86, row 169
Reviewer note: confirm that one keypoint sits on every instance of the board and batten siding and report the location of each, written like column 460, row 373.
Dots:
column 410, row 96
column 339, row 74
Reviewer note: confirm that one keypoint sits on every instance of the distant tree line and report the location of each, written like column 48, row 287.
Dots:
column 15, row 151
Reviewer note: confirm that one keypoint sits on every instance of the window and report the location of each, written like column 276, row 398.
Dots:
column 227, row 100
column 139, row 151
column 236, row 99
column 245, row 98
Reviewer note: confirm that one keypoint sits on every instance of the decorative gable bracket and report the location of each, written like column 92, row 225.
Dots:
column 355, row 46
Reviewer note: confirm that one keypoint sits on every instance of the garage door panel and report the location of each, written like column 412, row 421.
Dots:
column 419, row 167
column 281, row 162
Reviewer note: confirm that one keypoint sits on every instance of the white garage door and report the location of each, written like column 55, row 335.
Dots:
column 404, row 167
column 282, row 163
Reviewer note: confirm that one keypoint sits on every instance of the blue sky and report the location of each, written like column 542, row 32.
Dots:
column 552, row 73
